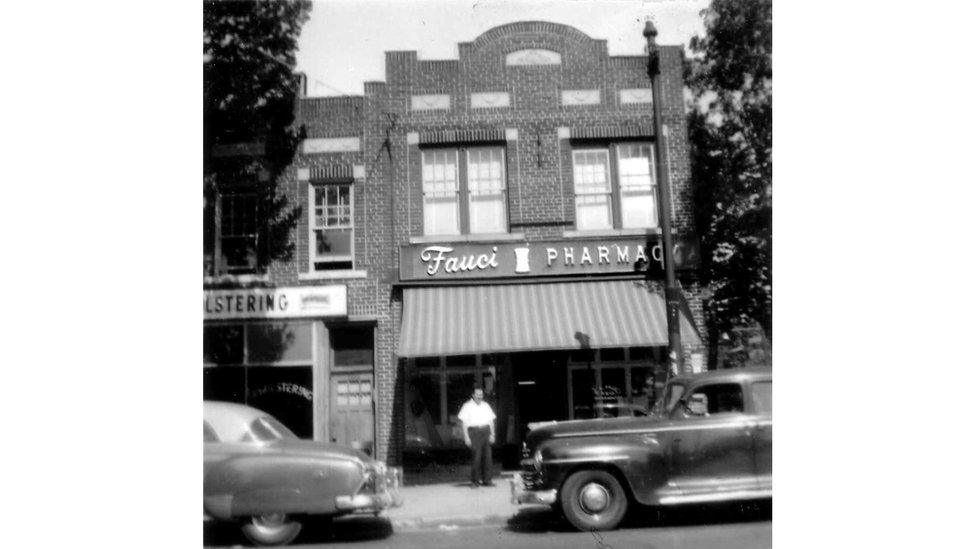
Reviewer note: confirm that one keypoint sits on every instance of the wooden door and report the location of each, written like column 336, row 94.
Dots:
column 351, row 421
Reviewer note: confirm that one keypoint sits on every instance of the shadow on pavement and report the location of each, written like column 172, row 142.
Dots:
column 539, row 519
column 315, row 531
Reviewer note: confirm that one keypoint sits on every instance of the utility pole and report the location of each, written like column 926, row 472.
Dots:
column 672, row 294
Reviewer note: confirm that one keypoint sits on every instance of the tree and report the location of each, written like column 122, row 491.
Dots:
column 730, row 131
column 249, row 90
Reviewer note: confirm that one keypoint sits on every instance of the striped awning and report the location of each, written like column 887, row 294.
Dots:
column 526, row 317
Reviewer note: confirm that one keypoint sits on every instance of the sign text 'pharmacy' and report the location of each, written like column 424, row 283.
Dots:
column 549, row 258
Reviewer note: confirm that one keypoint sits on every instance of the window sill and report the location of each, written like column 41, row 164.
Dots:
column 331, row 275
column 467, row 238
column 243, row 278
column 612, row 232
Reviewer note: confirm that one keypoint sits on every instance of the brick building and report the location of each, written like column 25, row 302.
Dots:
column 486, row 221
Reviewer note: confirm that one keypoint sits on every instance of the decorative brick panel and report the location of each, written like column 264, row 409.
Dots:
column 636, row 95
column 330, row 145
column 533, row 57
column 490, row 100
column 580, row 97
column 430, row 102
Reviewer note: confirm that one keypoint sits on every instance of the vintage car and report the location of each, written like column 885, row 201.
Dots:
column 258, row 473
column 709, row 439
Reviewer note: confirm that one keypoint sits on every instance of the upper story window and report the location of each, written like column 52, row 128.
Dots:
column 464, row 191
column 238, row 229
column 626, row 201
column 331, row 227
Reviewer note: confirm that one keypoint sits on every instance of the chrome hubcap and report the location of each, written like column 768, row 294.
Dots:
column 594, row 498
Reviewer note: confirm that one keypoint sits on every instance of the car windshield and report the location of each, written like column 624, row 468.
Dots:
column 267, row 428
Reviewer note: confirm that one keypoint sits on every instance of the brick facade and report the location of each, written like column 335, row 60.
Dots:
column 536, row 129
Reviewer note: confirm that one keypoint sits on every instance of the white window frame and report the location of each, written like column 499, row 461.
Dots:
column 610, row 188
column 466, row 189
column 457, row 190
column 313, row 258
column 618, row 181
column 616, row 196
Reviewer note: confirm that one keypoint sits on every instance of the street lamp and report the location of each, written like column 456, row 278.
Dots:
column 672, row 294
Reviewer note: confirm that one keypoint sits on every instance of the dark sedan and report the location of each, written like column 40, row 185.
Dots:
column 709, row 439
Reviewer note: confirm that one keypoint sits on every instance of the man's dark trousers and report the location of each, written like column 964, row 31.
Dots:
column 480, row 454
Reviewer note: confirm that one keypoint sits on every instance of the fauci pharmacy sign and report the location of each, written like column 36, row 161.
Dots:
column 472, row 260
column 295, row 302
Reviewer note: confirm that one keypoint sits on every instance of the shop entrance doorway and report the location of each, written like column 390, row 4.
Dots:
column 351, row 418
column 540, row 387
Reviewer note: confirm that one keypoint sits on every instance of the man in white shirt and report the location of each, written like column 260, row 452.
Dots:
column 478, row 425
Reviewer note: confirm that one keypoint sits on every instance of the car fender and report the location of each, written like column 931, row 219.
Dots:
column 254, row 485
column 639, row 461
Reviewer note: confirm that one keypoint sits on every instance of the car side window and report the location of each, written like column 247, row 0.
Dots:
column 209, row 435
column 762, row 395
column 720, row 398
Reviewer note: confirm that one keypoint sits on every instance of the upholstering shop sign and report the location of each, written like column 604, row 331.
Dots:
column 471, row 260
column 303, row 301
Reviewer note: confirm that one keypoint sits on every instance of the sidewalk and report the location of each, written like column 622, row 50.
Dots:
column 450, row 505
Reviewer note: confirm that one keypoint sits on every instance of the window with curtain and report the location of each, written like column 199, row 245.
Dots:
column 441, row 190
column 615, row 187
column 464, row 191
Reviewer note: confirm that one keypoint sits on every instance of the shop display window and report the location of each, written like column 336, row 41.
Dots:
column 613, row 382
column 279, row 341
column 285, row 392
column 437, row 387
column 223, row 344
column 266, row 365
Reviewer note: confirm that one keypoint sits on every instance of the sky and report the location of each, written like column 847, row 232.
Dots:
column 343, row 43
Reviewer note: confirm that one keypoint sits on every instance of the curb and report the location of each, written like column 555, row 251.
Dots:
column 448, row 523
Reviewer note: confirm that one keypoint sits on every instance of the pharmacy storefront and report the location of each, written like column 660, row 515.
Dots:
column 290, row 352
column 550, row 330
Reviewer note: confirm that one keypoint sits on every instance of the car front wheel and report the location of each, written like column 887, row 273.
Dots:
column 271, row 529
column 593, row 500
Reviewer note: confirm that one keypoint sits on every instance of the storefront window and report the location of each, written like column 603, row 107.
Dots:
column 285, row 392
column 223, row 344
column 279, row 342
column 225, row 383
column 459, row 389
column 614, row 354
column 266, row 365
column 461, row 361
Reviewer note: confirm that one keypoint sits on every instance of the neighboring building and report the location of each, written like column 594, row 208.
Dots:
column 477, row 221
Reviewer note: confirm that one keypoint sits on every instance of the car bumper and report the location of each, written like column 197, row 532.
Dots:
column 386, row 494
column 521, row 495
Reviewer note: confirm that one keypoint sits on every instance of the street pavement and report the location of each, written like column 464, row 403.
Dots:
column 453, row 515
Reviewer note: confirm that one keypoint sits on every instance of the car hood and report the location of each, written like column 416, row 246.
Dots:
column 322, row 449
column 583, row 426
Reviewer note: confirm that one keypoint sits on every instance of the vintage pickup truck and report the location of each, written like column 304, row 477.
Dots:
column 708, row 439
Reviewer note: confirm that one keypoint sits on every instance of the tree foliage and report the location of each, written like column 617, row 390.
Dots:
column 730, row 130
column 249, row 90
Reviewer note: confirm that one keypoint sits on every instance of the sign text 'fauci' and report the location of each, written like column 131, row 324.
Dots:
column 550, row 258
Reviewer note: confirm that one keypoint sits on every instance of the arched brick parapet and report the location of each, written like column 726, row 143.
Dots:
column 530, row 27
